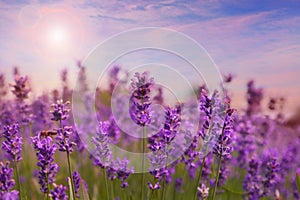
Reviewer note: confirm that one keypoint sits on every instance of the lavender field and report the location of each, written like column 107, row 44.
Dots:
column 203, row 149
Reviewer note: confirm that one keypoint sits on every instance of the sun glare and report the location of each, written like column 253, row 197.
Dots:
column 58, row 36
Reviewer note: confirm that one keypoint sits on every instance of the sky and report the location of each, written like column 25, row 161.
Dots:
column 254, row 39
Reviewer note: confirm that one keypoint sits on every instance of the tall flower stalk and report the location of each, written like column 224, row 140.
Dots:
column 45, row 149
column 223, row 148
column 21, row 90
column 12, row 146
column 60, row 112
column 102, row 154
column 7, row 182
column 209, row 108
column 140, row 112
column 169, row 131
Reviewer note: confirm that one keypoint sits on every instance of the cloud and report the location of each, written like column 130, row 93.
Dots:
column 249, row 38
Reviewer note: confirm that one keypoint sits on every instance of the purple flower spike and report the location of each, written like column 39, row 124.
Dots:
column 224, row 147
column 252, row 181
column 60, row 110
column 102, row 154
column 254, row 98
column 123, row 171
column 63, row 139
column 213, row 109
column 21, row 87
column 76, row 179
column 59, row 192
column 140, row 99
column 270, row 176
column 45, row 150
column 12, row 144
column 6, row 179
column 172, row 122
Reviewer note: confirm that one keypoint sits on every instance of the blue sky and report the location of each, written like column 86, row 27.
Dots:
column 251, row 39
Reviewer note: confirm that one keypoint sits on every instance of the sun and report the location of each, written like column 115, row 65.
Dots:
column 57, row 36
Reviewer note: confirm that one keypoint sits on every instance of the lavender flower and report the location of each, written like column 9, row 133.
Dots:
column 6, row 179
column 172, row 123
column 82, row 78
column 111, row 172
column 203, row 192
column 59, row 192
column 213, row 109
column 24, row 112
column 66, row 92
column 153, row 187
column 254, row 97
column 228, row 78
column 12, row 144
column 245, row 138
column 192, row 140
column 13, row 195
column 102, row 153
column 140, row 99
column 224, row 148
column 45, row 150
column 40, row 109
column 252, row 181
column 60, row 110
column 159, row 143
column 113, row 77
column 21, row 87
column 76, row 180
column 3, row 88
column 158, row 160
column 261, row 177
column 270, row 177
column 123, row 171
column 63, row 139
column 6, row 114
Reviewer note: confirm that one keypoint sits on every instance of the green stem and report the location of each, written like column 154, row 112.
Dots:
column 164, row 181
column 217, row 178
column 143, row 164
column 228, row 195
column 112, row 189
column 106, row 184
column 18, row 179
column 70, row 174
column 69, row 164
column 48, row 187
column 219, row 166
column 151, row 195
column 199, row 178
column 234, row 192
column 174, row 191
column 163, row 189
